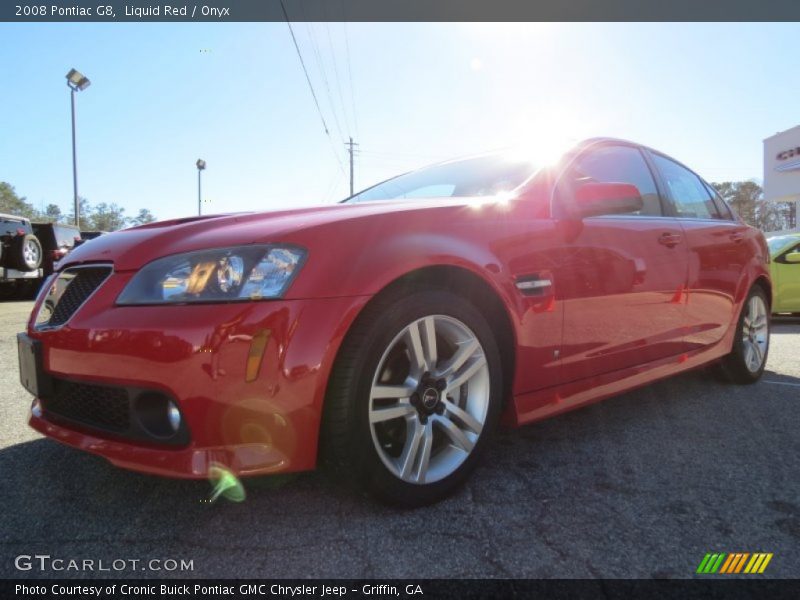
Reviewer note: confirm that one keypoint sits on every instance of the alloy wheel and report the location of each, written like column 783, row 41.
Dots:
column 755, row 333
column 429, row 399
column 30, row 253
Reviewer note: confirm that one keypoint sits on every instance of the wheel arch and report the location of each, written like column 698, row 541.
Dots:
column 764, row 283
column 469, row 285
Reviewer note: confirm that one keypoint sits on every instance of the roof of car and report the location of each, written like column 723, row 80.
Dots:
column 14, row 217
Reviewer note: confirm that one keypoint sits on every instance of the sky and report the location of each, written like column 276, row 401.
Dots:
column 410, row 94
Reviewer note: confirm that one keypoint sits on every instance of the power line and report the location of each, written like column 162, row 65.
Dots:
column 310, row 86
column 324, row 74
column 349, row 70
column 336, row 76
column 303, row 64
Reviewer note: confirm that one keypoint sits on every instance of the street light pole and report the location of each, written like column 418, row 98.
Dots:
column 76, row 81
column 201, row 165
column 74, row 161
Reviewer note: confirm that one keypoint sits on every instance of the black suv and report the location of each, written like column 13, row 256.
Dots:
column 20, row 249
column 29, row 251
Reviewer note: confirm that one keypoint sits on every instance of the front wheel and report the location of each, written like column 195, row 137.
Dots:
column 748, row 357
column 415, row 393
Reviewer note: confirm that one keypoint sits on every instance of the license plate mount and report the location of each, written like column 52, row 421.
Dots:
column 31, row 366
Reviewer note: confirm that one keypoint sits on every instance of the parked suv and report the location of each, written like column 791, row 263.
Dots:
column 29, row 252
column 20, row 252
column 57, row 240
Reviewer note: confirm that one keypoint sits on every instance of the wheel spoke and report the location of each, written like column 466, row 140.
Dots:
column 748, row 353
column 429, row 342
column 465, row 350
column 415, row 350
column 758, row 355
column 463, row 417
column 409, row 456
column 458, row 438
column 464, row 375
column 424, row 458
column 393, row 411
column 393, row 391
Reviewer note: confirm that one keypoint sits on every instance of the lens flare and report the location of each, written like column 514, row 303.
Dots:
column 225, row 484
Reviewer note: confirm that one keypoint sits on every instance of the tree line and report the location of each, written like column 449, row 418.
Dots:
column 99, row 217
column 747, row 199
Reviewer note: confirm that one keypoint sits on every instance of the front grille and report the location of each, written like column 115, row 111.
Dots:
column 120, row 411
column 68, row 292
column 94, row 405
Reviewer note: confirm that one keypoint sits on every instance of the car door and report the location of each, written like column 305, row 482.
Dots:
column 622, row 276
column 719, row 248
column 786, row 280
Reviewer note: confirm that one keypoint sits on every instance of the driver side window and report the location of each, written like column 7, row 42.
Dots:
column 612, row 164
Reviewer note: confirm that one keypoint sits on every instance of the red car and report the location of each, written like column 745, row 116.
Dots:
column 390, row 333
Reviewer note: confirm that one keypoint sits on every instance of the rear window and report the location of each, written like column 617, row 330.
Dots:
column 65, row 236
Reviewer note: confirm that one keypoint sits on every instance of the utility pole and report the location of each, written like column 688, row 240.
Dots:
column 350, row 150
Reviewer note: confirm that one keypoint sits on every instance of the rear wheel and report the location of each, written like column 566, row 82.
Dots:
column 746, row 361
column 415, row 394
column 25, row 253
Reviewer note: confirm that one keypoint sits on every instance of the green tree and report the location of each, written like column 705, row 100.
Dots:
column 13, row 204
column 52, row 214
column 108, row 217
column 747, row 199
column 85, row 214
column 144, row 217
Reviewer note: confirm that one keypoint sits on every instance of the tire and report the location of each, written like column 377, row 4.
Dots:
column 382, row 403
column 746, row 361
column 25, row 253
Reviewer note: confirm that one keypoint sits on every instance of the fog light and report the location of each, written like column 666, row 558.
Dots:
column 36, row 408
column 158, row 415
column 174, row 416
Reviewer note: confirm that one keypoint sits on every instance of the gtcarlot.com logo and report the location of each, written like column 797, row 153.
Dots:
column 735, row 562
column 45, row 562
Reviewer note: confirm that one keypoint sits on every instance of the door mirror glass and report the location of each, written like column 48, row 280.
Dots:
column 595, row 199
column 793, row 257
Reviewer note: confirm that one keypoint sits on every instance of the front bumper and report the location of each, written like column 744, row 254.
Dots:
column 198, row 355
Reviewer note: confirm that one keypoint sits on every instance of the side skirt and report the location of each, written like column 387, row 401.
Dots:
column 541, row 404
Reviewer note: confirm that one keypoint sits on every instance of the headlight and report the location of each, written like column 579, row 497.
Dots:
column 220, row 275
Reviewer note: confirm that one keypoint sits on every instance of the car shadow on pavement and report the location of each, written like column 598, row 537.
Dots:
column 667, row 471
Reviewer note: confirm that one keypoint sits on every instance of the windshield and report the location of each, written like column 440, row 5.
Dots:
column 776, row 243
column 480, row 176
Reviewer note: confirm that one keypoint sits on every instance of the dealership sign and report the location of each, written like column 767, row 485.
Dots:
column 782, row 166
column 786, row 155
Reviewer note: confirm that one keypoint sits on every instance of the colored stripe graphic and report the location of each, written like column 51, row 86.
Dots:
column 765, row 563
column 734, row 562
column 727, row 564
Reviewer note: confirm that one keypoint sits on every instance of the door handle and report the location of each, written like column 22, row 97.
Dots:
column 670, row 240
column 737, row 236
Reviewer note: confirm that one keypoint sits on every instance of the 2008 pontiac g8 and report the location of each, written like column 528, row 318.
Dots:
column 389, row 334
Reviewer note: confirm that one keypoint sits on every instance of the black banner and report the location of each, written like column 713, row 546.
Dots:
column 398, row 10
column 229, row 589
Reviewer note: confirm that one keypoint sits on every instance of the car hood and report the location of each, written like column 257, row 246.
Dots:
column 132, row 248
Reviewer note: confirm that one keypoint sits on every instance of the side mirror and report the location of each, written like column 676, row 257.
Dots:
column 792, row 257
column 595, row 199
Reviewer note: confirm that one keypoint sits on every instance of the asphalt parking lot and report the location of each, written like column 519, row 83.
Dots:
column 641, row 485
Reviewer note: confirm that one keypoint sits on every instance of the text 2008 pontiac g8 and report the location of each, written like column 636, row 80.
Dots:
column 389, row 334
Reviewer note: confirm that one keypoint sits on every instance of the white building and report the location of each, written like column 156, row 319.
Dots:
column 782, row 168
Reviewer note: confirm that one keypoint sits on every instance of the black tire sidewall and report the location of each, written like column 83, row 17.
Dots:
column 381, row 330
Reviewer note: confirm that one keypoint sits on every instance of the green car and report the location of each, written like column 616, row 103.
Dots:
column 784, row 251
